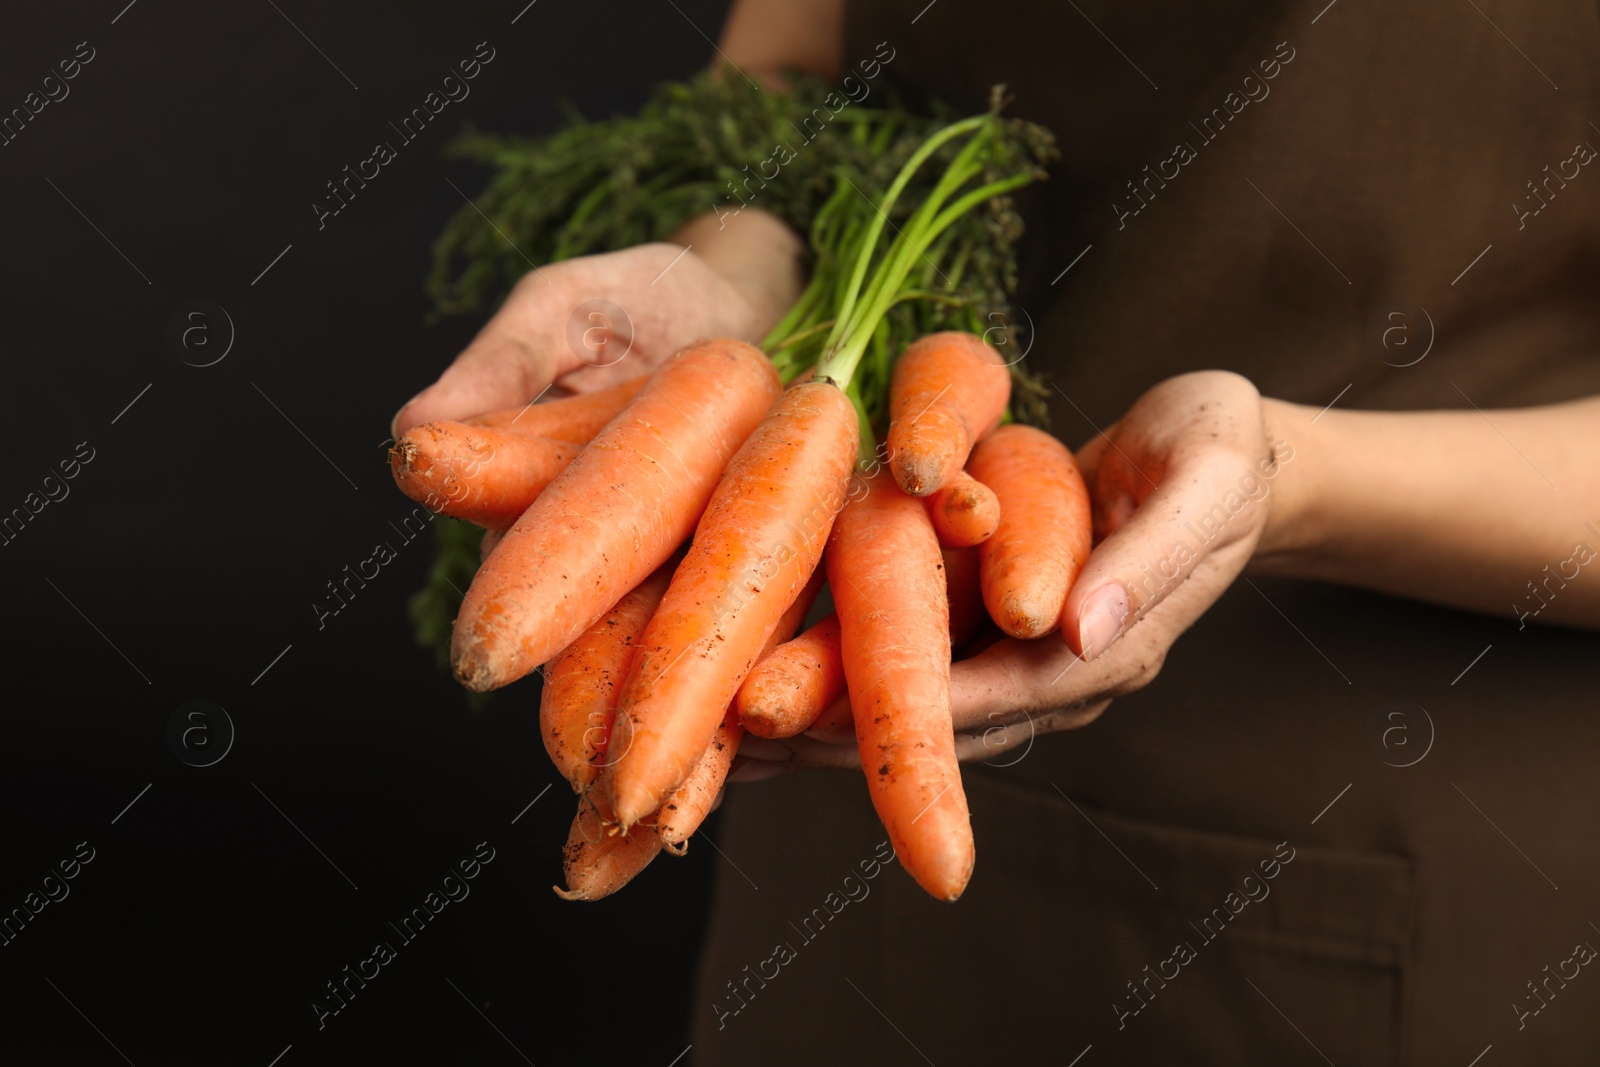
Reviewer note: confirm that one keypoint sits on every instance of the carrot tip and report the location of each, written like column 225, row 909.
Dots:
column 570, row 894
column 475, row 676
column 627, row 809
column 1026, row 620
column 917, row 475
column 677, row 848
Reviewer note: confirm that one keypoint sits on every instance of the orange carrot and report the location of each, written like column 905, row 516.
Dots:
column 894, row 621
column 484, row 476
column 691, row 802
column 755, row 548
column 788, row 689
column 572, row 418
column 688, row 805
column 597, row 861
column 582, row 683
column 947, row 391
column 1044, row 537
column 824, row 712
column 964, row 511
column 629, row 499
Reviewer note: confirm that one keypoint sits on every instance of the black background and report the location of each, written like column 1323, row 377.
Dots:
column 190, row 550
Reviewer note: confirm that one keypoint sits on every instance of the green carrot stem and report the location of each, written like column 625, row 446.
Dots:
column 794, row 318
column 897, row 262
column 875, row 227
column 891, row 274
column 974, row 198
column 798, row 337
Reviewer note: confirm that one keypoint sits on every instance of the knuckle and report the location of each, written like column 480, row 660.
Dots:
column 1144, row 670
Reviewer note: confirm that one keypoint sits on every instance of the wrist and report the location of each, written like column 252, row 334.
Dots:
column 754, row 251
column 1294, row 520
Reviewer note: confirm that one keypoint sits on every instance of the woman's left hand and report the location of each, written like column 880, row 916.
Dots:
column 1182, row 488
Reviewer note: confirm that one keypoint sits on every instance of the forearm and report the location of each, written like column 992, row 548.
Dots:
column 763, row 38
column 754, row 249
column 1444, row 506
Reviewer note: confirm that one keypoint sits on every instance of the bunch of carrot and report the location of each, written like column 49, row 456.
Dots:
column 661, row 543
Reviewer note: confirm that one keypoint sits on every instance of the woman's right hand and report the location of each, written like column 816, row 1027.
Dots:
column 587, row 323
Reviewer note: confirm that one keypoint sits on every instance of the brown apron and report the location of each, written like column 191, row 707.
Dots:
column 1339, row 827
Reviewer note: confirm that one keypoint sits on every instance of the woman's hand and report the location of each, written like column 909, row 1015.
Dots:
column 1183, row 487
column 587, row 323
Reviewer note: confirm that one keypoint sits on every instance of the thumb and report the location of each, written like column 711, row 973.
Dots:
column 1197, row 509
column 516, row 356
column 492, row 373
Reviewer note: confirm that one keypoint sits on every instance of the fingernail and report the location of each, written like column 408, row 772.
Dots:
column 1102, row 619
column 394, row 423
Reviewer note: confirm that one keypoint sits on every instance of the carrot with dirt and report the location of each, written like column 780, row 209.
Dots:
column 820, row 710
column 691, row 802
column 789, row 688
column 756, row 547
column 948, row 391
column 571, row 418
column 596, row 861
column 763, row 532
column 484, row 476
column 886, row 575
column 1044, row 536
column 614, row 515
column 581, row 684
column 964, row 511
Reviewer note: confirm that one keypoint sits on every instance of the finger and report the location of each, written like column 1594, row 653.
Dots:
column 993, row 742
column 486, row 545
column 811, row 753
column 1205, row 502
column 1016, row 679
column 1010, row 744
column 1007, row 682
column 756, row 770
column 516, row 355
column 1089, row 455
column 592, row 378
column 760, row 748
column 839, row 735
column 835, row 725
